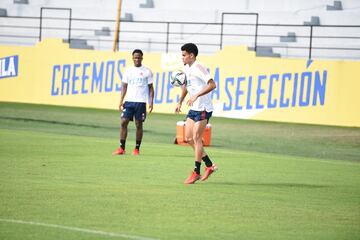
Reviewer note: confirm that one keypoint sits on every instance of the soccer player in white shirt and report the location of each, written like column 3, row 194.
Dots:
column 137, row 85
column 199, row 85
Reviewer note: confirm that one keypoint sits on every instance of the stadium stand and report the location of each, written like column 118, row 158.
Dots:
column 21, row 1
column 283, row 29
column 3, row 12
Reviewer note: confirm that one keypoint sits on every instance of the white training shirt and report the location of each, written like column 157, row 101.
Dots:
column 138, row 79
column 197, row 78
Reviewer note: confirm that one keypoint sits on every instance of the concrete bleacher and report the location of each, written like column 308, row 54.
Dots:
column 206, row 14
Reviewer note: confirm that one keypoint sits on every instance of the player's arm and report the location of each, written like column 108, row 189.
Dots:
column 122, row 96
column 211, row 85
column 151, row 95
column 182, row 97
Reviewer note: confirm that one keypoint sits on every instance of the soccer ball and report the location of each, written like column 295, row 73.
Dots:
column 178, row 78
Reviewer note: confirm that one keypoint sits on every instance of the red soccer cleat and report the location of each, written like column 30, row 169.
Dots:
column 209, row 171
column 119, row 151
column 193, row 178
column 136, row 152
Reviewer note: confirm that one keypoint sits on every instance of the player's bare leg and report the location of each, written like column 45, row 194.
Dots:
column 124, row 128
column 198, row 130
column 194, row 136
column 123, row 136
column 189, row 126
column 189, row 135
column 139, row 136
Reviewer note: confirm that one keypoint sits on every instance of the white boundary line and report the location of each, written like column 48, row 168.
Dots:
column 75, row 229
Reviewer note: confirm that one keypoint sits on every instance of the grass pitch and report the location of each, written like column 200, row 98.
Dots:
column 58, row 179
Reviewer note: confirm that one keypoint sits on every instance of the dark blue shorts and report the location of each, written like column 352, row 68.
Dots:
column 135, row 110
column 199, row 115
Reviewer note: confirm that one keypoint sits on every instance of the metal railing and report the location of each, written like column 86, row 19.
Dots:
column 323, row 41
column 42, row 9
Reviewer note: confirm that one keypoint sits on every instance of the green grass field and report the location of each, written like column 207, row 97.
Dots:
column 58, row 179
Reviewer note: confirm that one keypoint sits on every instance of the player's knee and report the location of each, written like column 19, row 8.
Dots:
column 197, row 137
column 139, row 125
column 197, row 141
column 189, row 140
column 124, row 124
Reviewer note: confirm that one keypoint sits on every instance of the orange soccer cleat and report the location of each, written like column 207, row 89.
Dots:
column 209, row 171
column 119, row 151
column 136, row 152
column 193, row 178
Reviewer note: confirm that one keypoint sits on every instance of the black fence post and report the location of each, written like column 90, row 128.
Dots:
column 167, row 36
column 221, row 31
column 256, row 31
column 311, row 36
column 41, row 10
column 70, row 19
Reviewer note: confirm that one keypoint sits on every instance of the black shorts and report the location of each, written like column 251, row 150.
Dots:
column 135, row 110
column 199, row 115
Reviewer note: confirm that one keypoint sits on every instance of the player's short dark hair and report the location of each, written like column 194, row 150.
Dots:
column 137, row 51
column 190, row 48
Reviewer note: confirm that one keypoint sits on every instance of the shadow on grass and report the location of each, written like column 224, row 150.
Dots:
column 276, row 185
column 56, row 122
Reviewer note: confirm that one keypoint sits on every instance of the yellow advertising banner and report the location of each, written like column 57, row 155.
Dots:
column 248, row 87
